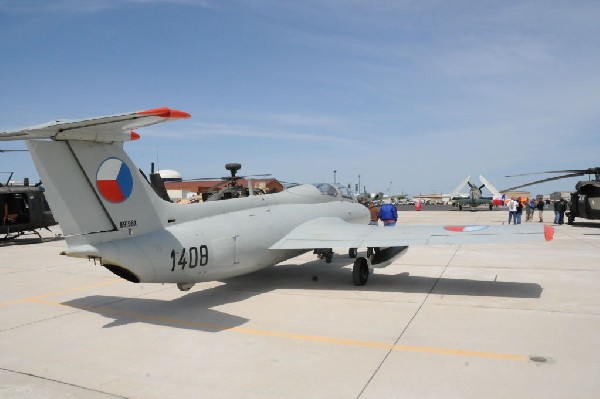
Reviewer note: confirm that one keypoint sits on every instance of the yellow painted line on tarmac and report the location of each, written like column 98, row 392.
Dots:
column 62, row 292
column 115, row 313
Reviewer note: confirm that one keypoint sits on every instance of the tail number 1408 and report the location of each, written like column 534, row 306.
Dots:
column 192, row 257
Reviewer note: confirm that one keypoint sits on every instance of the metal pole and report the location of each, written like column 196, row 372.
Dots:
column 334, row 180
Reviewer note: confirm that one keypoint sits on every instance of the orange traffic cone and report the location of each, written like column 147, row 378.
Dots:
column 418, row 206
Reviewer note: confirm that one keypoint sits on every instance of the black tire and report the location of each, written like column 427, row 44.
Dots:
column 353, row 252
column 491, row 207
column 360, row 271
column 459, row 207
column 328, row 257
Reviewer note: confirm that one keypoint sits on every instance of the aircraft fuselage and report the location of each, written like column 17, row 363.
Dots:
column 215, row 247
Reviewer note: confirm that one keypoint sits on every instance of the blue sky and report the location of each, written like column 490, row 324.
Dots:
column 411, row 95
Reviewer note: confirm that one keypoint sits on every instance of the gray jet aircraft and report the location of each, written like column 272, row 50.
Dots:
column 109, row 212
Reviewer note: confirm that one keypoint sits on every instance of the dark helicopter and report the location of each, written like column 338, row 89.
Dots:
column 585, row 201
column 23, row 209
column 230, row 187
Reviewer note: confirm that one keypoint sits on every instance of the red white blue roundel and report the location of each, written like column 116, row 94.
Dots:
column 114, row 180
column 465, row 229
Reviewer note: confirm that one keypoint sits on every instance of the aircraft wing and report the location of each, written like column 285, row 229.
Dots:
column 104, row 129
column 331, row 232
column 459, row 187
column 492, row 189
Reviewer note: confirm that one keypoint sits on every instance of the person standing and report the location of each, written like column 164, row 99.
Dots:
column 388, row 213
column 555, row 204
column 512, row 210
column 527, row 210
column 519, row 211
column 540, row 208
column 374, row 214
column 530, row 210
column 562, row 208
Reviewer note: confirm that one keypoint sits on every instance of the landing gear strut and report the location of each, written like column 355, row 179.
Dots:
column 324, row 253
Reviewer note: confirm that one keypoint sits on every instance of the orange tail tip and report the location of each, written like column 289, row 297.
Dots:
column 134, row 135
column 548, row 232
column 165, row 112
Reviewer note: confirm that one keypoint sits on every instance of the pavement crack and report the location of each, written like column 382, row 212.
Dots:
column 63, row 383
column 407, row 324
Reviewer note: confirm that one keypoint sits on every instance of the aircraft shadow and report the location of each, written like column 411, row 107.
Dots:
column 318, row 275
column 586, row 224
column 28, row 240
column 191, row 311
column 195, row 310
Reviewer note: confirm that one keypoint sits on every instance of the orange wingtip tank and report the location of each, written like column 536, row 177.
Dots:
column 165, row 112
column 134, row 135
column 548, row 232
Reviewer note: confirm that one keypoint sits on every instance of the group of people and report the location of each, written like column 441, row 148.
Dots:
column 515, row 210
column 387, row 213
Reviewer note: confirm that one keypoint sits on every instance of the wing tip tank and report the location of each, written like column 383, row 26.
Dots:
column 165, row 112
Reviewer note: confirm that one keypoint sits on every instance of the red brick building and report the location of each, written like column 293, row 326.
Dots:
column 179, row 189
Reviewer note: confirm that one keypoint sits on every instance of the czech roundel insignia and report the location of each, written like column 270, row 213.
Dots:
column 114, row 180
column 465, row 229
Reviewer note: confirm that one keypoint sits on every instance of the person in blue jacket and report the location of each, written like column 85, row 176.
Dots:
column 388, row 213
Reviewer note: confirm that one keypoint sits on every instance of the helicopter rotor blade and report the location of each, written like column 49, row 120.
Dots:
column 542, row 181
column 218, row 184
column 578, row 171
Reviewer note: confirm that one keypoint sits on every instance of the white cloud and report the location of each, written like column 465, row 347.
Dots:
column 218, row 129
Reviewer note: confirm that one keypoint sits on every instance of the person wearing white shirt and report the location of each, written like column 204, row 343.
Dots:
column 512, row 211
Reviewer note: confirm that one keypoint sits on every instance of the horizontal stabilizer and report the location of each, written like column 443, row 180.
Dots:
column 112, row 128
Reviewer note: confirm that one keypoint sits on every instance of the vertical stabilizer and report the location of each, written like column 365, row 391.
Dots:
column 95, row 188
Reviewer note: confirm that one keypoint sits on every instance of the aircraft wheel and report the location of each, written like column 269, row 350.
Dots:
column 353, row 252
column 329, row 257
column 360, row 271
column 459, row 207
column 491, row 207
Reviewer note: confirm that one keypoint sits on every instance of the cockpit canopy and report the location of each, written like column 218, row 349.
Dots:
column 336, row 191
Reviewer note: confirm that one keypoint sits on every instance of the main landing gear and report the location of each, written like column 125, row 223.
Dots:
column 360, row 271
column 363, row 266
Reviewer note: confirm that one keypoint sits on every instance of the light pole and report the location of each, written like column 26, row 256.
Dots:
column 334, row 180
column 359, row 184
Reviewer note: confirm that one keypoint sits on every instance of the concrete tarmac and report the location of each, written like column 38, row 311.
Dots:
column 468, row 321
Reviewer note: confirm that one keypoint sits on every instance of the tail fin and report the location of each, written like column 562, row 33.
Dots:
column 94, row 190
